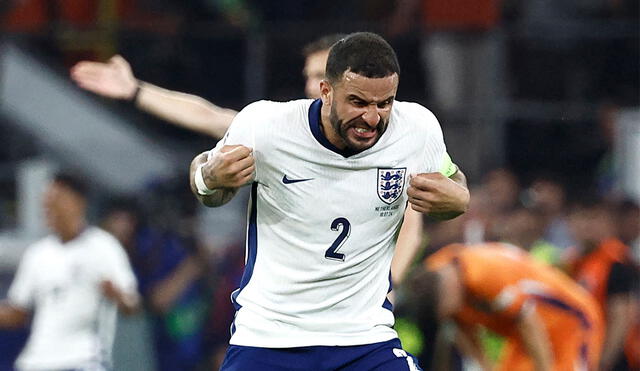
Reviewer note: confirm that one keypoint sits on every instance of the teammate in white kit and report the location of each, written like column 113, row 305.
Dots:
column 330, row 182
column 73, row 282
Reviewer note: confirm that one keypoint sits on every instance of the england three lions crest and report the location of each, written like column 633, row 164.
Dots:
column 390, row 184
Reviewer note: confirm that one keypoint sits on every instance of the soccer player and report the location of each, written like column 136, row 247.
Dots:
column 330, row 181
column 115, row 79
column 549, row 321
column 73, row 282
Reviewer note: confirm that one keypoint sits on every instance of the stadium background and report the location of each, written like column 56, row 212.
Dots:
column 561, row 83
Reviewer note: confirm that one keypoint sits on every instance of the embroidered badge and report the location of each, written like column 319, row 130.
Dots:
column 390, row 184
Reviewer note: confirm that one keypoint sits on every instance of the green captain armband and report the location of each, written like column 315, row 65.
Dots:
column 448, row 168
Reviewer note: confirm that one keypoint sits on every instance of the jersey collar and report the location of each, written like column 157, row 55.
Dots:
column 314, row 124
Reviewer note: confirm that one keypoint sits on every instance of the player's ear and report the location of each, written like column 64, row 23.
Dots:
column 326, row 92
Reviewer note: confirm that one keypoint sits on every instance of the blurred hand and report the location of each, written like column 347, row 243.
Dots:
column 113, row 79
column 110, row 291
column 437, row 196
column 127, row 303
column 231, row 167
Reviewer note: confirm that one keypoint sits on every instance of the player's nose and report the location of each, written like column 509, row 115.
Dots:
column 371, row 116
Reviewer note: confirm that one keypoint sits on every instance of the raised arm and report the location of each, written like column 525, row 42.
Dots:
column 114, row 79
column 216, row 176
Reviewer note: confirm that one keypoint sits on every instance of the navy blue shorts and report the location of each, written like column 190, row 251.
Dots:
column 385, row 356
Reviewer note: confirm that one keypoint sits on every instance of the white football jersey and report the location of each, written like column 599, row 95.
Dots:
column 73, row 323
column 322, row 227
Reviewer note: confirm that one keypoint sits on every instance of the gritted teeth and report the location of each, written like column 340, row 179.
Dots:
column 362, row 130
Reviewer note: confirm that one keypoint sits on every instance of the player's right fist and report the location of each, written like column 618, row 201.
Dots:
column 232, row 166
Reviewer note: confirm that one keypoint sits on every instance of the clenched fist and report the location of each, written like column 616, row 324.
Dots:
column 437, row 196
column 231, row 167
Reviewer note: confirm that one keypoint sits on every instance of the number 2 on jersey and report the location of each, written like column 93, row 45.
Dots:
column 332, row 252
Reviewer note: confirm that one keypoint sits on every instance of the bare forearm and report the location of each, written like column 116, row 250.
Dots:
column 166, row 292
column 459, row 178
column 535, row 339
column 408, row 245
column 620, row 309
column 219, row 197
column 12, row 317
column 185, row 110
column 466, row 339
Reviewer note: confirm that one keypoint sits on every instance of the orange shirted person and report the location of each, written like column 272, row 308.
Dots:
column 604, row 266
column 548, row 320
column 605, row 272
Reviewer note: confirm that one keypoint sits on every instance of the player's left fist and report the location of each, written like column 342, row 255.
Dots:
column 437, row 196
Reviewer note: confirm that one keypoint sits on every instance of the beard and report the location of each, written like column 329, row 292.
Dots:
column 352, row 143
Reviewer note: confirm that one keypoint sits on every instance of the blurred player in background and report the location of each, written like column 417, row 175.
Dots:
column 549, row 321
column 73, row 282
column 115, row 79
column 604, row 266
column 328, row 197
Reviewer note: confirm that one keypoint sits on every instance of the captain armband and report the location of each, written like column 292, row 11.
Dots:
column 448, row 168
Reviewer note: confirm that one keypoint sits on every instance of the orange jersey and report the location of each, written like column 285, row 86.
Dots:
column 592, row 270
column 500, row 280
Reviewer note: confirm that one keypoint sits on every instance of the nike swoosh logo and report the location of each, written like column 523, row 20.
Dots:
column 286, row 180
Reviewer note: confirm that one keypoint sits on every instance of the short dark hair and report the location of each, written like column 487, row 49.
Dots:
column 321, row 44
column 364, row 53
column 72, row 182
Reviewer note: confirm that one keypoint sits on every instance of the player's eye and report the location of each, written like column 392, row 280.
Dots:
column 358, row 103
column 385, row 104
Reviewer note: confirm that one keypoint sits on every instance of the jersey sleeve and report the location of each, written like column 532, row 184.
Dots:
column 117, row 268
column 243, row 130
column 435, row 157
column 448, row 168
column 22, row 289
